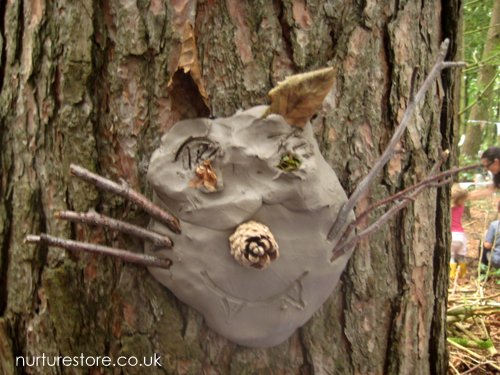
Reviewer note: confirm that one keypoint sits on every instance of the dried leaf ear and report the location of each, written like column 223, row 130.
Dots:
column 300, row 96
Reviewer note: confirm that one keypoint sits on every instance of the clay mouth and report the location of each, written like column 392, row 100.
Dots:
column 291, row 296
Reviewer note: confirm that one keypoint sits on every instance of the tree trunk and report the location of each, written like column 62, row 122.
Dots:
column 482, row 110
column 98, row 82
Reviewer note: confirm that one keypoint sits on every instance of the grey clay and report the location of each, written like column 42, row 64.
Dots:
column 251, row 307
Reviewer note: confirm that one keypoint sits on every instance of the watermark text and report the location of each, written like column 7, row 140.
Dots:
column 83, row 360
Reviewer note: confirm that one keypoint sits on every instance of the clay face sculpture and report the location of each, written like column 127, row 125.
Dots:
column 250, row 225
column 252, row 306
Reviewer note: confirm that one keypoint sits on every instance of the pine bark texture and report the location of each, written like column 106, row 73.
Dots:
column 98, row 82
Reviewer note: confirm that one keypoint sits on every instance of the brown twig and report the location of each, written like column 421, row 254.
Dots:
column 400, row 195
column 472, row 369
column 337, row 229
column 454, row 369
column 473, row 310
column 130, row 257
column 473, row 354
column 126, row 192
column 404, row 197
column 94, row 218
column 478, row 299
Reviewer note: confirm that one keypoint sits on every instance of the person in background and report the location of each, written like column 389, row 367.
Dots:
column 490, row 160
column 458, row 238
column 492, row 241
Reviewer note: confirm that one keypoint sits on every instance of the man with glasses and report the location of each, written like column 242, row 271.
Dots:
column 490, row 160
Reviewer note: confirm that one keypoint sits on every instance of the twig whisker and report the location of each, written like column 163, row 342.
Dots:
column 94, row 218
column 128, row 256
column 126, row 192
column 338, row 226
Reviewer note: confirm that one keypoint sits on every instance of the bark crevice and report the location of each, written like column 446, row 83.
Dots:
column 186, row 97
column 6, row 237
column 3, row 43
column 286, row 29
column 19, row 32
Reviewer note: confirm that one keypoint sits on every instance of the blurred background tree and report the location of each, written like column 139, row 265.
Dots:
column 479, row 115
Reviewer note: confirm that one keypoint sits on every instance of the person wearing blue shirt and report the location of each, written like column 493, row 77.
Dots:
column 492, row 241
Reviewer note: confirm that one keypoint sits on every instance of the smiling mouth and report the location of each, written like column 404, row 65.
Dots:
column 290, row 296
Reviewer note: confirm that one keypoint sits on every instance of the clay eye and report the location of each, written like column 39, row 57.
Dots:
column 196, row 155
column 194, row 151
column 293, row 152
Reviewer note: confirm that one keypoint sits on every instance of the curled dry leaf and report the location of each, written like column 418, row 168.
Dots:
column 205, row 177
column 300, row 96
column 188, row 61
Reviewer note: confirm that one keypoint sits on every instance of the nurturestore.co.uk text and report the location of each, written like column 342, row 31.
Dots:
column 87, row 361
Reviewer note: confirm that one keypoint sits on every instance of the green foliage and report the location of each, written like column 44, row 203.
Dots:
column 487, row 273
column 482, row 344
column 468, row 175
column 477, row 16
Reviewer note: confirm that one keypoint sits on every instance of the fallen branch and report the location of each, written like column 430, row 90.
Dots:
column 473, row 341
column 470, row 310
column 474, row 354
column 478, row 298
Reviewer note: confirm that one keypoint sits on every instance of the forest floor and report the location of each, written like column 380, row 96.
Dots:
column 473, row 319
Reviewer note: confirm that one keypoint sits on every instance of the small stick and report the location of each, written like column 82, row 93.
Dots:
column 94, row 218
column 342, row 248
column 473, row 354
column 126, row 192
column 389, row 214
column 392, row 198
column 127, row 256
column 479, row 298
column 340, row 223
column 474, row 310
column 401, row 194
column 405, row 196
column 454, row 369
column 472, row 369
column 453, row 64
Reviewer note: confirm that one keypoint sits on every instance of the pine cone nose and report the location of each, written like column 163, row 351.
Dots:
column 253, row 245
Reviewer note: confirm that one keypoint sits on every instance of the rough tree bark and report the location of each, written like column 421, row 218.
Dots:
column 98, row 82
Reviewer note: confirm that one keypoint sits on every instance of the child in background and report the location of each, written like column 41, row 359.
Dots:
column 492, row 241
column 458, row 238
